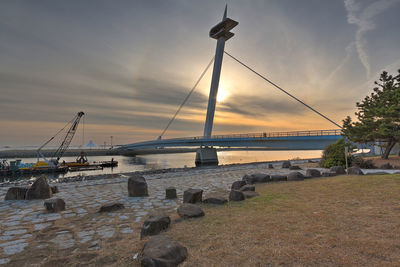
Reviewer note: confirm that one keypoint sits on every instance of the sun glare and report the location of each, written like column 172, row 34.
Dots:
column 222, row 94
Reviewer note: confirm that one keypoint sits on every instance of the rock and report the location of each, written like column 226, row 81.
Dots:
column 355, row 171
column 328, row 174
column 236, row 195
column 170, row 193
column 386, row 166
column 286, row 164
column 294, row 167
column 54, row 189
column 278, row 178
column 215, row 200
column 250, row 194
column 248, row 187
column 137, row 186
column 238, row 184
column 16, row 193
column 154, row 225
column 256, row 178
column 270, row 166
column 295, row 176
column 188, row 210
column 313, row 173
column 39, row 190
column 337, row 169
column 54, row 205
column 192, row 196
column 163, row 251
column 111, row 207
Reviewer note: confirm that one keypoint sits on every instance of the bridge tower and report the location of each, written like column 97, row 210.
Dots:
column 220, row 32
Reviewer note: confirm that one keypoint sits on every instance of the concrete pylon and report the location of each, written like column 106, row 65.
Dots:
column 220, row 32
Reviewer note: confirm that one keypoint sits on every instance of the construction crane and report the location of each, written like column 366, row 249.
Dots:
column 65, row 143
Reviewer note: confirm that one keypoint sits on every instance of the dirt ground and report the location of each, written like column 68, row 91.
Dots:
column 393, row 160
column 339, row 221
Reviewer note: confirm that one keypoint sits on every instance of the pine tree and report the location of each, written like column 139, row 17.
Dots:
column 378, row 115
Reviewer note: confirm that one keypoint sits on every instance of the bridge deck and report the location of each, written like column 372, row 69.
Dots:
column 296, row 140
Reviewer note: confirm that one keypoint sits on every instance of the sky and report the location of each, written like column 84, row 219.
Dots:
column 129, row 64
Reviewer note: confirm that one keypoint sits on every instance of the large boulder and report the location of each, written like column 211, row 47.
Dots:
column 154, row 225
column 278, row 178
column 192, row 196
column 137, row 186
column 54, row 205
column 215, row 200
column 337, row 169
column 39, row 190
column 256, row 178
column 16, row 193
column 295, row 176
column 238, row 184
column 170, row 193
column 248, row 187
column 355, row 171
column 313, row 173
column 188, row 210
column 236, row 195
column 111, row 207
column 294, row 167
column 286, row 164
column 163, row 251
column 250, row 194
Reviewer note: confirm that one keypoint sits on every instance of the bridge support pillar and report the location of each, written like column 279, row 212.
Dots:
column 206, row 156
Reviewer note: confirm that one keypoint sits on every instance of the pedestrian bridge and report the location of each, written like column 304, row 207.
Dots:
column 296, row 140
column 206, row 145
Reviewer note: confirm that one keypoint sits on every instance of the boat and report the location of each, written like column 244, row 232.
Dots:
column 107, row 164
column 85, row 168
column 16, row 167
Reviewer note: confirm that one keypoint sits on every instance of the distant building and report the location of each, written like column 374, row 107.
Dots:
column 91, row 144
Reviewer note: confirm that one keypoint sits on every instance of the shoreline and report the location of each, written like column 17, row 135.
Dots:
column 80, row 178
column 303, row 163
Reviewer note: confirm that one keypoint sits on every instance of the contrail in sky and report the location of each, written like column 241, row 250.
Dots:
column 363, row 18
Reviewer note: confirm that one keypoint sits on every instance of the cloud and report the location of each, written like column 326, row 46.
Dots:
column 363, row 18
column 258, row 106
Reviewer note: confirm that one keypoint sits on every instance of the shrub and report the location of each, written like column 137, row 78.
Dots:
column 333, row 155
column 362, row 163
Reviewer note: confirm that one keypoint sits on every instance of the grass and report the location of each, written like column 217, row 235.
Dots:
column 346, row 220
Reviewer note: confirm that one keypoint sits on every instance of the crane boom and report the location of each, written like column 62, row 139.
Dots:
column 68, row 138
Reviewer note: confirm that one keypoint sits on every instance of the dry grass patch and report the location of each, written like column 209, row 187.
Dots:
column 346, row 220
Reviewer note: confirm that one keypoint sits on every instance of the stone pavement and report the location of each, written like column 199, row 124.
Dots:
column 26, row 225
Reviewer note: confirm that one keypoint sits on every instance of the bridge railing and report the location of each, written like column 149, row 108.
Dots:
column 268, row 135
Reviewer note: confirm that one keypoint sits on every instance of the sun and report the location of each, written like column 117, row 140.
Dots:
column 222, row 94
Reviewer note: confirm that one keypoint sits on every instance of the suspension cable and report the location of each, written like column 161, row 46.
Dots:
column 187, row 97
column 280, row 88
